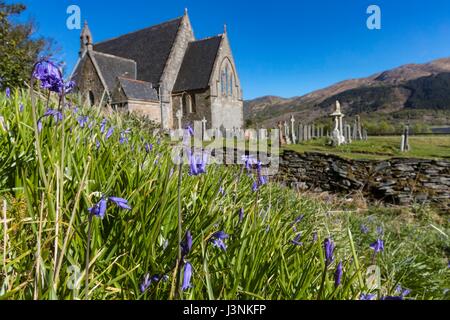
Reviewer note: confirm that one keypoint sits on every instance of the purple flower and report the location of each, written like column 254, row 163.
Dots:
column 299, row 219
column 21, row 107
column 190, row 131
column 8, row 92
column 49, row 75
column 197, row 164
column 364, row 229
column 366, row 296
column 401, row 291
column 186, row 245
column 248, row 161
column 328, row 246
column 241, row 214
column 315, row 236
column 380, row 230
column 221, row 191
column 296, row 240
column 99, row 209
column 218, row 238
column 57, row 116
column 338, row 275
column 103, row 125
column 187, row 274
column 97, row 144
column 123, row 136
column 377, row 246
column 109, row 133
column 69, row 86
column 145, row 283
column 82, row 120
column 121, row 203
column 148, row 147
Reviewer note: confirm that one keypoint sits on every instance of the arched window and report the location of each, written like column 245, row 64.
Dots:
column 91, row 98
column 227, row 80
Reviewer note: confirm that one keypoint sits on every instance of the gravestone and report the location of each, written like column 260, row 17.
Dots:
column 293, row 137
column 179, row 116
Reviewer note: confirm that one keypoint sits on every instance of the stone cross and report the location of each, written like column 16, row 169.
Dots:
column 337, row 134
column 293, row 137
column 179, row 116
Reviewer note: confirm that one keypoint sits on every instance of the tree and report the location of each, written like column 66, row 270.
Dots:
column 18, row 50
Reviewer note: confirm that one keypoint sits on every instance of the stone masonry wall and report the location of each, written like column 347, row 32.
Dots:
column 398, row 180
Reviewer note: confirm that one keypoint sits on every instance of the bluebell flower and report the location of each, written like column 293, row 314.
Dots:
column 364, row 229
column 148, row 147
column 187, row 274
column 366, row 296
column 377, row 246
column 338, row 275
column 218, row 238
column 145, row 283
column 248, row 161
column 49, row 76
column 299, row 219
column 401, row 291
column 190, row 131
column 99, row 209
column 197, row 164
column 380, row 230
column 315, row 236
column 57, row 116
column 8, row 92
column 329, row 250
column 186, row 245
column 123, row 136
column 103, row 125
column 297, row 241
column 120, row 202
column 82, row 120
column 241, row 214
column 109, row 133
column 97, row 144
column 21, row 107
column 221, row 191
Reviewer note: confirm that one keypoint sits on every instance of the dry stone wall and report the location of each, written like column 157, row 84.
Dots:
column 399, row 180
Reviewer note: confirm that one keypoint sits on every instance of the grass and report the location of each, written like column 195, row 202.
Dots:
column 45, row 223
column 380, row 148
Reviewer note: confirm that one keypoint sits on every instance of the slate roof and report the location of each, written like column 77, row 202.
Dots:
column 149, row 47
column 112, row 67
column 198, row 64
column 138, row 90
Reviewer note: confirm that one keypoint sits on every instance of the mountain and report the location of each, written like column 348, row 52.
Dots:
column 418, row 92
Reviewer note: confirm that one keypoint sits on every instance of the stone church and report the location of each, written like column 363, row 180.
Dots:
column 164, row 73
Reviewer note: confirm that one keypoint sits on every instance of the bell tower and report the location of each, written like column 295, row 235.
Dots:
column 85, row 39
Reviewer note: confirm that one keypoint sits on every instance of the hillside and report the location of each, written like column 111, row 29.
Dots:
column 414, row 91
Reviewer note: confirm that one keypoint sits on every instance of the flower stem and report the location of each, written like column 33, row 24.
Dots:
column 319, row 296
column 36, row 132
column 86, row 294
column 180, row 226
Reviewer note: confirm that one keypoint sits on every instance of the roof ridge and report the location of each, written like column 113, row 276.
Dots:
column 207, row 38
column 150, row 27
column 112, row 56
column 134, row 80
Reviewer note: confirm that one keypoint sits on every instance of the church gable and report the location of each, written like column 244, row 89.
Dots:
column 149, row 48
column 224, row 79
column 198, row 64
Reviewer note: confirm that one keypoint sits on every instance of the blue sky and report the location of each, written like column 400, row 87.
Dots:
column 284, row 47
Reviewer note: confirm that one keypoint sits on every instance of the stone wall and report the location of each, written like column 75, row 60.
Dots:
column 398, row 180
